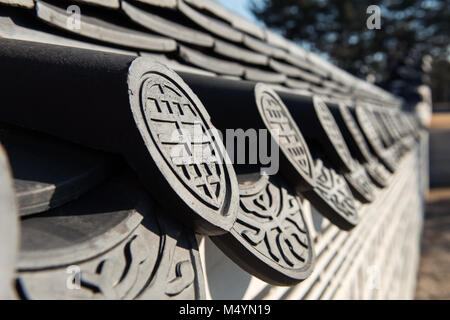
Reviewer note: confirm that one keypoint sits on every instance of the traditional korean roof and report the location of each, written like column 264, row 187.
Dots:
column 93, row 92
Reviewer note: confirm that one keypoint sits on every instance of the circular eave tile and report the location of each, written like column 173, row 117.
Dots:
column 370, row 131
column 355, row 132
column 378, row 173
column 333, row 198
column 286, row 133
column 333, row 133
column 185, row 146
column 112, row 243
column 360, row 184
column 270, row 239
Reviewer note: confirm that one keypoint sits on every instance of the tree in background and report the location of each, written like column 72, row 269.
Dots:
column 410, row 30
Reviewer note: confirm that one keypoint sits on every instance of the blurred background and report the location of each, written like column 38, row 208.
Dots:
column 408, row 54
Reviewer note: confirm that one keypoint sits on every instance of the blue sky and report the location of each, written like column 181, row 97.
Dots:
column 239, row 6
